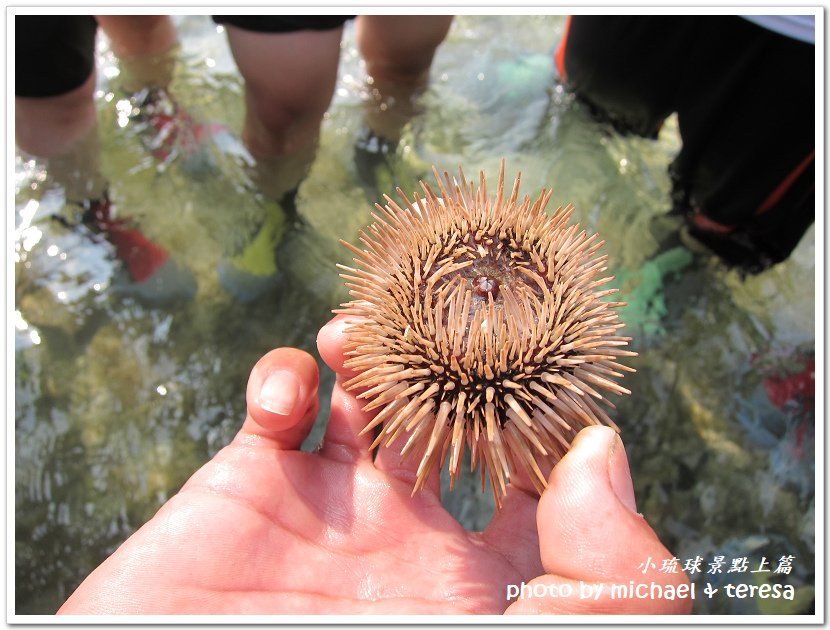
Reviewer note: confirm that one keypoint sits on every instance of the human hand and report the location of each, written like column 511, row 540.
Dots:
column 264, row 528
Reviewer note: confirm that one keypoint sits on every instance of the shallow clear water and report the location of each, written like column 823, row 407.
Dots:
column 118, row 401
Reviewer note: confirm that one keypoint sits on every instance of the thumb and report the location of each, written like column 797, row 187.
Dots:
column 588, row 525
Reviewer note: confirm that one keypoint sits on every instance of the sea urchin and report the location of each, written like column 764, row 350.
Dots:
column 481, row 321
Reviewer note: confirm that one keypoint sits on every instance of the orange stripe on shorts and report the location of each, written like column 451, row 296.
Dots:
column 780, row 190
column 559, row 56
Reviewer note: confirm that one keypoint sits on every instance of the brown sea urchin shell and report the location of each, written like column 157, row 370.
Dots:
column 481, row 321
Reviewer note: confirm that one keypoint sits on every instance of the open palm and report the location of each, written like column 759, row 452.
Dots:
column 264, row 528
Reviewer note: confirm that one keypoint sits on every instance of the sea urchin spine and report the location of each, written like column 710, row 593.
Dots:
column 481, row 321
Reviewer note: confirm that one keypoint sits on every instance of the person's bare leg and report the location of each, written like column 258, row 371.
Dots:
column 398, row 51
column 138, row 35
column 289, row 83
column 63, row 128
column 50, row 126
column 143, row 44
column 400, row 47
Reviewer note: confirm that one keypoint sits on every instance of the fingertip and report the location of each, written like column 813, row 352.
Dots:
column 588, row 526
column 599, row 447
column 279, row 392
column 584, row 470
column 620, row 474
column 282, row 396
column 331, row 340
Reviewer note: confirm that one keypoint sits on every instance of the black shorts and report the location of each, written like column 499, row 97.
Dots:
column 745, row 99
column 53, row 54
column 283, row 23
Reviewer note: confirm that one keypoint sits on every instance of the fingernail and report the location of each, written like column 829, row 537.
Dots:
column 279, row 392
column 620, row 474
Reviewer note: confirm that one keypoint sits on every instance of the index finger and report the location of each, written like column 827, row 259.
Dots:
column 282, row 397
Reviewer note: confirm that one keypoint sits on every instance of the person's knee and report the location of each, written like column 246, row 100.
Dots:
column 277, row 110
column 289, row 77
column 138, row 35
column 49, row 126
column 399, row 47
column 279, row 123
